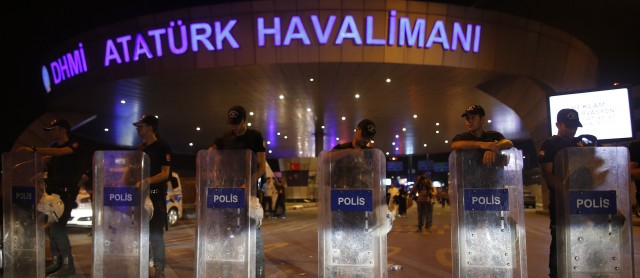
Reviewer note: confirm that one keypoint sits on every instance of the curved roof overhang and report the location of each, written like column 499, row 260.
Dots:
column 414, row 65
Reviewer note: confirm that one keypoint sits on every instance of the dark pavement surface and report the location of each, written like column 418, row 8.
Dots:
column 291, row 245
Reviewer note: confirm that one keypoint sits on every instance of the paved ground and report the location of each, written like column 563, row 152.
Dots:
column 291, row 246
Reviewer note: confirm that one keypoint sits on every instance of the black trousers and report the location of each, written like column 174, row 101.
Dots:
column 157, row 225
column 58, row 237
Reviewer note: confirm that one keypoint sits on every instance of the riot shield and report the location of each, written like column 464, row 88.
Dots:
column 226, row 235
column 23, row 225
column 352, row 222
column 487, row 215
column 121, row 222
column 594, row 235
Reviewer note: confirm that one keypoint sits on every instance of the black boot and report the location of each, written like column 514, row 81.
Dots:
column 54, row 266
column 159, row 271
column 67, row 269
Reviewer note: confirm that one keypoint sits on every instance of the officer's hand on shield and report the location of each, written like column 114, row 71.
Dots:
column 255, row 211
column 489, row 157
column 389, row 218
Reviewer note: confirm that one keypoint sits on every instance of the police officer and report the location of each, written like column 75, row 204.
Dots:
column 476, row 138
column 241, row 137
column 159, row 154
column 567, row 123
column 64, row 172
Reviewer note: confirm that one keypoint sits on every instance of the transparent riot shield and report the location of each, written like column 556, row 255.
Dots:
column 487, row 215
column 23, row 225
column 121, row 221
column 226, row 235
column 594, row 235
column 352, row 222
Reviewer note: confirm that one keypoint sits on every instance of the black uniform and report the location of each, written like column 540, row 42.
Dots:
column 63, row 175
column 548, row 151
column 487, row 136
column 352, row 172
column 159, row 155
column 634, row 156
column 491, row 174
column 345, row 168
column 252, row 140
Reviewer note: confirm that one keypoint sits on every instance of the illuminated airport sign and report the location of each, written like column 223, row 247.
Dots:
column 180, row 37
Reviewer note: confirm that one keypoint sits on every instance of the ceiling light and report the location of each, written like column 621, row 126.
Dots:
column 106, row 129
column 425, row 145
column 415, row 116
column 281, row 96
column 388, row 80
column 404, row 129
column 344, row 118
column 437, row 131
column 446, row 141
column 300, row 152
column 278, row 133
column 190, row 144
column 268, row 142
column 270, row 151
column 285, row 137
column 357, row 95
column 251, row 113
column 337, row 138
column 437, row 124
column 123, row 101
column 387, row 153
column 311, row 79
column 397, row 136
column 397, row 149
column 393, row 143
column 248, row 124
column 198, row 128
column 322, row 127
column 488, row 121
column 308, row 109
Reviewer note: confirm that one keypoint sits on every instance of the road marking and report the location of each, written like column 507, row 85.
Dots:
column 393, row 250
column 443, row 256
column 272, row 246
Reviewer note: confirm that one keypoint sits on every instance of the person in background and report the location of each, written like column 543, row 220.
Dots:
column 567, row 122
column 281, row 208
column 270, row 192
column 443, row 196
column 402, row 205
column 241, row 137
column 65, row 168
column 476, row 138
column 394, row 195
column 159, row 154
column 424, row 194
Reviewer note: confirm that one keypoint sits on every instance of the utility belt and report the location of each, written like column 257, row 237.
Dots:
column 158, row 189
column 61, row 189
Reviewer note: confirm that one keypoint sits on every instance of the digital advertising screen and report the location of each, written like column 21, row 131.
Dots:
column 606, row 114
